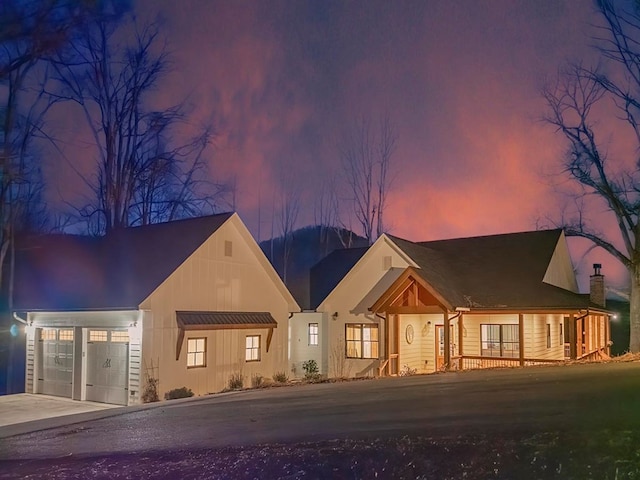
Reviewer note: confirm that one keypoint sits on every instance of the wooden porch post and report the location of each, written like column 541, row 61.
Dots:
column 460, row 336
column 587, row 333
column 607, row 333
column 521, row 338
column 386, row 341
column 573, row 346
column 447, row 341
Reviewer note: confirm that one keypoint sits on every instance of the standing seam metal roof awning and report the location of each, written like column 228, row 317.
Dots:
column 225, row 319
column 194, row 320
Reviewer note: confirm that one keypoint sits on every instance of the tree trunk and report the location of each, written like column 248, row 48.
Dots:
column 634, row 319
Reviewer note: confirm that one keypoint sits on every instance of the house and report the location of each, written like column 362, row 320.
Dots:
column 184, row 304
column 401, row 307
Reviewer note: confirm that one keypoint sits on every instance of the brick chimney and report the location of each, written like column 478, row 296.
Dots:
column 596, row 286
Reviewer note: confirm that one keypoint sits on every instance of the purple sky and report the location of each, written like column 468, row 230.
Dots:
column 460, row 80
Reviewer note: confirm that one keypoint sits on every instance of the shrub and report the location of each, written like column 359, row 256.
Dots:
column 407, row 371
column 310, row 368
column 236, row 381
column 182, row 392
column 257, row 380
column 280, row 377
column 150, row 393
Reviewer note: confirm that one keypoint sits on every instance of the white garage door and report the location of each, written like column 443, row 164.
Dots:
column 107, row 366
column 55, row 362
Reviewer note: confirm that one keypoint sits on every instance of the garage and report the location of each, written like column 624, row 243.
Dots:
column 107, row 366
column 55, row 362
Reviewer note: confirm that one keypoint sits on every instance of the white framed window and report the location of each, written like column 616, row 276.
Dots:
column 252, row 348
column 313, row 334
column 196, row 352
column 98, row 336
column 119, row 336
column 499, row 340
column 65, row 335
column 47, row 334
column 362, row 340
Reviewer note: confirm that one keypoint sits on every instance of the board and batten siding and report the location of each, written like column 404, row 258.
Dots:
column 349, row 301
column 299, row 349
column 211, row 280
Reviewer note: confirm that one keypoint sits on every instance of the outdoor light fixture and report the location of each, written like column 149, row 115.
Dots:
column 335, row 315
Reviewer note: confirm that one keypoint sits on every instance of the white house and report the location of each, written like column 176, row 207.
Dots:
column 404, row 307
column 186, row 303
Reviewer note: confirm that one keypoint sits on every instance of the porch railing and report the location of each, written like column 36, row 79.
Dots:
column 470, row 362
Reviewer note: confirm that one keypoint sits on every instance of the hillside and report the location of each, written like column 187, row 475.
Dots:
column 309, row 245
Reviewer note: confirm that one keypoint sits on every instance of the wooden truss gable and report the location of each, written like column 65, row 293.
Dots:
column 410, row 293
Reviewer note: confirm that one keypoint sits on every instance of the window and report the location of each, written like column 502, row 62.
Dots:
column 548, row 335
column 65, row 335
column 567, row 321
column 253, row 348
column 196, row 350
column 313, row 334
column 362, row 340
column 560, row 335
column 228, row 248
column 499, row 340
column 47, row 334
column 98, row 336
column 120, row 337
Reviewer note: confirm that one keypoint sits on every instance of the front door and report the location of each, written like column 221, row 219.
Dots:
column 440, row 345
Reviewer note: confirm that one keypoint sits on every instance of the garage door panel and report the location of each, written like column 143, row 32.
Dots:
column 107, row 367
column 56, row 362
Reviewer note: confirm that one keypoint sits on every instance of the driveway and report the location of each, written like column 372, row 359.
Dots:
column 579, row 398
column 25, row 408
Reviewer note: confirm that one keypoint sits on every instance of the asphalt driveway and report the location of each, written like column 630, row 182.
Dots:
column 574, row 398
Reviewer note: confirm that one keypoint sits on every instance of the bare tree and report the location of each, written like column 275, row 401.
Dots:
column 288, row 209
column 30, row 32
column 366, row 157
column 142, row 175
column 574, row 110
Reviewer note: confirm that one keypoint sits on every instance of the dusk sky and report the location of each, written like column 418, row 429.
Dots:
column 460, row 80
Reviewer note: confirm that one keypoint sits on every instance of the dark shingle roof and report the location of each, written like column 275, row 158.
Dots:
column 327, row 273
column 71, row 272
column 495, row 271
column 225, row 319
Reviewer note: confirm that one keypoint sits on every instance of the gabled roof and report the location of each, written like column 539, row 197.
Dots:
column 118, row 271
column 328, row 272
column 492, row 272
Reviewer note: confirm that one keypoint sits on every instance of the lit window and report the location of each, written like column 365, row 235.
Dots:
column 560, row 334
column 500, row 340
column 362, row 340
column 196, row 350
column 48, row 334
column 120, row 337
column 98, row 336
column 313, row 334
column 252, row 353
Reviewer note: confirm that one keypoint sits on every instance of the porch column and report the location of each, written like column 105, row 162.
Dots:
column 587, row 334
column 447, row 341
column 607, row 334
column 386, row 342
column 460, row 336
column 521, row 338
column 573, row 343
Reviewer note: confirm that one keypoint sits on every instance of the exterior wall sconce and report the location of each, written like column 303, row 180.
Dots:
column 334, row 315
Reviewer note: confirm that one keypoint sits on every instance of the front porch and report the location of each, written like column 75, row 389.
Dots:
column 423, row 334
